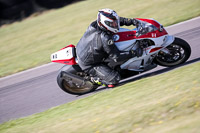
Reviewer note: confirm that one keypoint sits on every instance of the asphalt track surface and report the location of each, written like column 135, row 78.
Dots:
column 36, row 90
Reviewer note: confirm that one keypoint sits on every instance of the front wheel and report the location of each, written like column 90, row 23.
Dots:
column 177, row 53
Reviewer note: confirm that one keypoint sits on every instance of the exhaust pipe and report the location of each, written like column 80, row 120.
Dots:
column 80, row 82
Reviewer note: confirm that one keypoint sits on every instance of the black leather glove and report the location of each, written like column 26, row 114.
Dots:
column 138, row 52
column 135, row 22
column 143, row 30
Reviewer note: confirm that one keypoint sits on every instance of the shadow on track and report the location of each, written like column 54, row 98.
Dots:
column 149, row 74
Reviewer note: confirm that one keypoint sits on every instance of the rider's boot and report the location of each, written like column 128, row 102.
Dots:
column 98, row 81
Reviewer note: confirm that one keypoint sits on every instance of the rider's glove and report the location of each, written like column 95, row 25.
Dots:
column 138, row 52
column 143, row 30
column 135, row 22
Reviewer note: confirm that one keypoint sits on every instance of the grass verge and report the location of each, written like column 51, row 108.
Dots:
column 167, row 103
column 29, row 43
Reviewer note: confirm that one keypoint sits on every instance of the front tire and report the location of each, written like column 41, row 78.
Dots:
column 179, row 52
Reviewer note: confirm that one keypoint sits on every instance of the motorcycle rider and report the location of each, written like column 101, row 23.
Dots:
column 97, row 44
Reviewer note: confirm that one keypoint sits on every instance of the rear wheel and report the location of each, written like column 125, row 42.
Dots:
column 72, row 88
column 177, row 53
column 67, row 85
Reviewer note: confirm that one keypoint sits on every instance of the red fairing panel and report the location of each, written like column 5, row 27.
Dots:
column 154, row 34
column 67, row 61
column 153, row 22
column 71, row 45
column 127, row 35
column 155, row 49
column 130, row 35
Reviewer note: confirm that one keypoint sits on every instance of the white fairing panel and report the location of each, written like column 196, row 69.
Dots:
column 168, row 40
column 136, row 63
column 64, row 54
column 125, row 45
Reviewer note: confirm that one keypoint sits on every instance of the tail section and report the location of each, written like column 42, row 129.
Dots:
column 66, row 55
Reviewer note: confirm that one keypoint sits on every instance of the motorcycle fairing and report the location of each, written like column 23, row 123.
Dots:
column 125, row 40
column 65, row 56
column 139, row 64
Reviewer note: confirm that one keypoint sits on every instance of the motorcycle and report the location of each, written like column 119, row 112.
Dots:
column 159, row 48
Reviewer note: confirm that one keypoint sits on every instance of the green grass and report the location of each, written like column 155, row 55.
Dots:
column 167, row 103
column 29, row 43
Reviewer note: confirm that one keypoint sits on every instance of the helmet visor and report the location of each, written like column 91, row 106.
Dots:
column 113, row 24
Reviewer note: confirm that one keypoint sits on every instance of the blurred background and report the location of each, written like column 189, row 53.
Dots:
column 15, row 10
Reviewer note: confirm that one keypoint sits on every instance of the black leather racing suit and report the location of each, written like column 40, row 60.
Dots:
column 95, row 46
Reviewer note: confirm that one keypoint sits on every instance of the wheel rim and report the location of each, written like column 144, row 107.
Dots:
column 72, row 87
column 176, row 54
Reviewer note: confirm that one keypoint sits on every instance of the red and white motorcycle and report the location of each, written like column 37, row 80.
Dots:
column 159, row 48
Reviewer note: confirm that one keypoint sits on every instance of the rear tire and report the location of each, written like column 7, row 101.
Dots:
column 72, row 88
column 179, row 50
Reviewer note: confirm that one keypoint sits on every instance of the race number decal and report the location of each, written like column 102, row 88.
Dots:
column 153, row 35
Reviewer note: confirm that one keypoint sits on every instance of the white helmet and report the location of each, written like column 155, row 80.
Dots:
column 107, row 19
